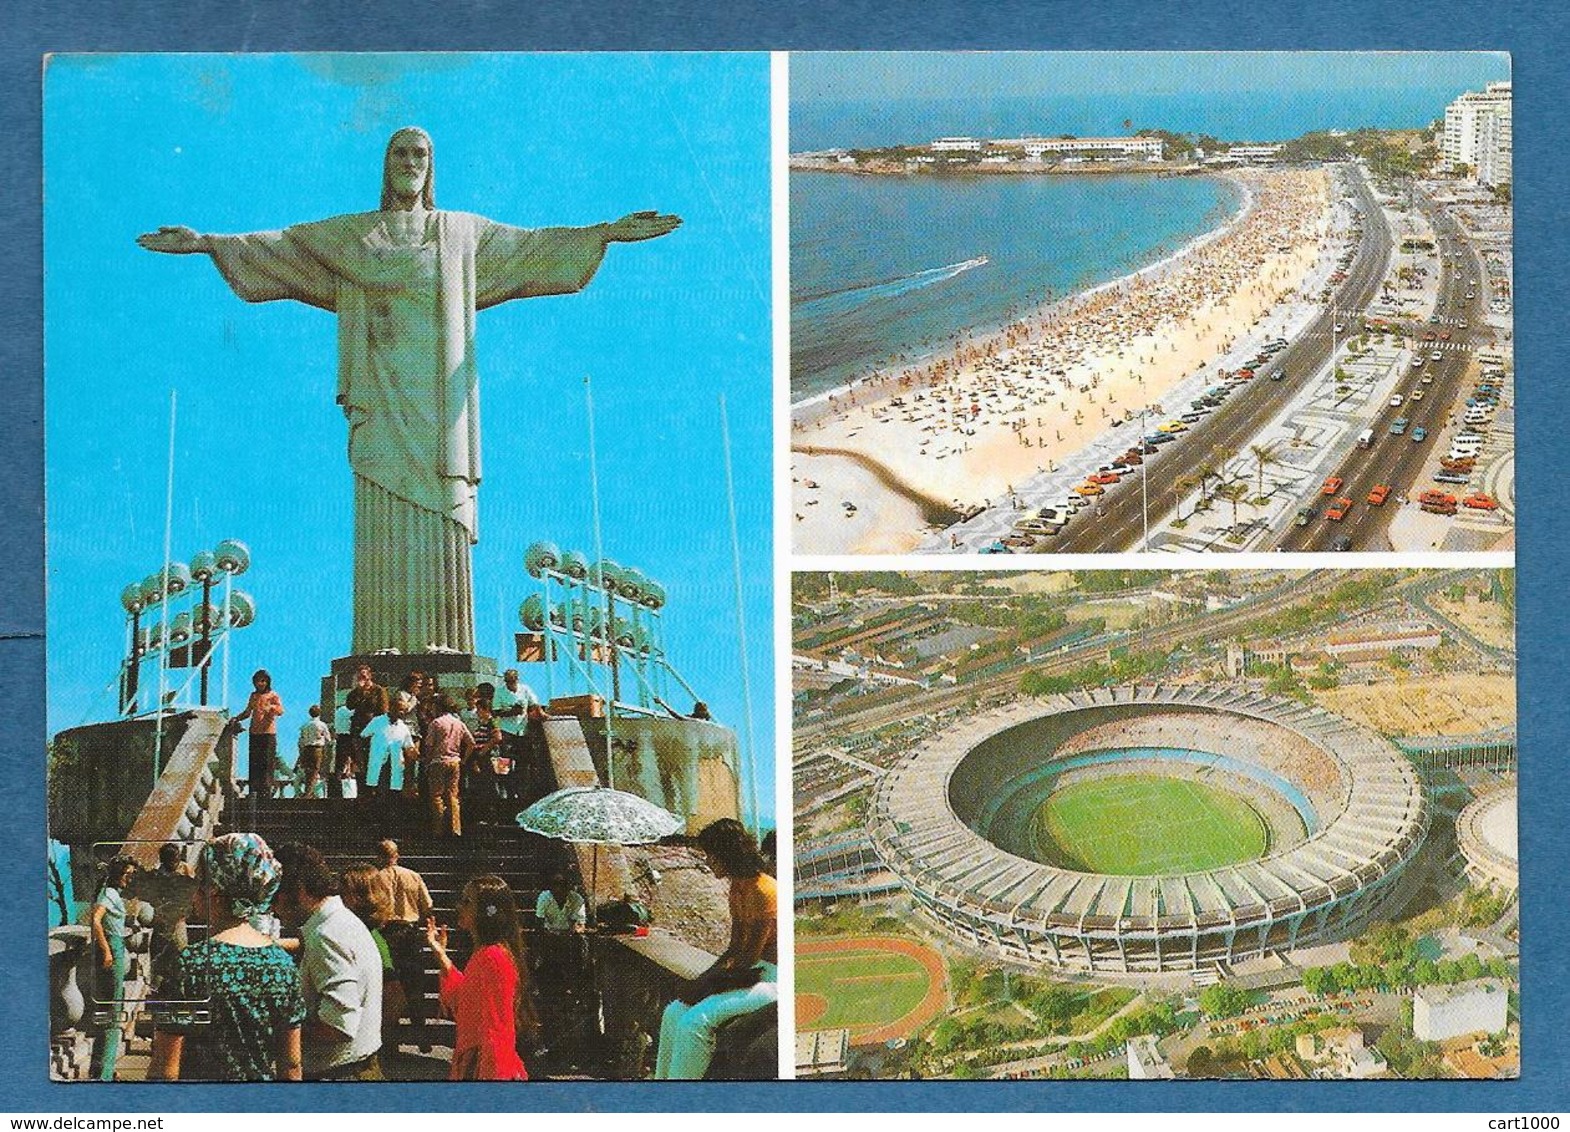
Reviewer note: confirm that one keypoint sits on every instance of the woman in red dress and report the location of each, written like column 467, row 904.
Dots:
column 490, row 998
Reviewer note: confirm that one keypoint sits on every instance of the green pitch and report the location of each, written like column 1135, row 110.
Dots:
column 863, row 988
column 1139, row 825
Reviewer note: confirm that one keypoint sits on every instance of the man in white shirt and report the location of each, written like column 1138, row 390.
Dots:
column 340, row 971
column 560, row 907
column 315, row 738
column 511, row 705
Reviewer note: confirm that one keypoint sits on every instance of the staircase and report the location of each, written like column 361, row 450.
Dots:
column 347, row 831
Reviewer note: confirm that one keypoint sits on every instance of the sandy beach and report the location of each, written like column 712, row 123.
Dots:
column 963, row 427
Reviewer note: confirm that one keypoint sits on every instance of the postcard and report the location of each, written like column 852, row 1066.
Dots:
column 390, row 739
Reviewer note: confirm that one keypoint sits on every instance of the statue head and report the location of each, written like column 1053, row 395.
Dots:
column 409, row 168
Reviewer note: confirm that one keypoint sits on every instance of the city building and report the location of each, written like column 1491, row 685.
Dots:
column 1379, row 641
column 1477, row 134
column 1341, row 1053
column 1147, row 148
column 1440, row 1013
column 1146, row 1062
column 823, row 1054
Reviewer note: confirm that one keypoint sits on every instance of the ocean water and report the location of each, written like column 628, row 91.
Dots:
column 882, row 268
column 886, row 269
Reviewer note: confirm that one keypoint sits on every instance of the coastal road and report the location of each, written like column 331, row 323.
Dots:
column 1398, row 460
column 1244, row 414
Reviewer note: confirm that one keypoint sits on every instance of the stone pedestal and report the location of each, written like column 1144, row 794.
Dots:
column 455, row 672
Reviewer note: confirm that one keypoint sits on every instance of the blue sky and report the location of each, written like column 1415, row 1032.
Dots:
column 230, row 144
column 834, row 76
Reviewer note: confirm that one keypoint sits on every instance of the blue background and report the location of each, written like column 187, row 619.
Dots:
column 1534, row 33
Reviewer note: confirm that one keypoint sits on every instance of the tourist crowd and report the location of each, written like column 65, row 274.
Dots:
column 303, row 972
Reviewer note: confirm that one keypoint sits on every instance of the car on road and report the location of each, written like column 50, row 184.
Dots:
column 1481, row 501
column 1419, row 434
column 1416, row 395
column 1342, row 544
column 1305, row 516
column 1338, row 510
column 1398, row 426
column 1395, row 400
column 1435, row 356
column 1427, row 379
column 1380, row 493
column 1332, row 486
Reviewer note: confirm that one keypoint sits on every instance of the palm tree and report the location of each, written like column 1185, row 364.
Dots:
column 1180, row 487
column 1207, row 471
column 1264, row 454
column 1232, row 490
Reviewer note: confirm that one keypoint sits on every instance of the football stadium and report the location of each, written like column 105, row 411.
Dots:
column 1151, row 829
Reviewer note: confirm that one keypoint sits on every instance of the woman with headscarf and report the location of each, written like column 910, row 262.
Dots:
column 234, row 1007
column 490, row 998
column 109, row 930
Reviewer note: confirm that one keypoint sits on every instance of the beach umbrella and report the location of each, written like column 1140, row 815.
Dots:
column 597, row 815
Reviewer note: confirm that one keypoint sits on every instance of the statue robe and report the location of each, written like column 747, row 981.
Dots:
column 405, row 303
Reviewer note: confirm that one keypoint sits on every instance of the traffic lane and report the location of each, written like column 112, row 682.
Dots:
column 1431, row 412
column 1394, row 459
column 1401, row 466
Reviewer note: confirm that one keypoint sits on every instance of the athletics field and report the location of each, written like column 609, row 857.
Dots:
column 877, row 987
column 1142, row 825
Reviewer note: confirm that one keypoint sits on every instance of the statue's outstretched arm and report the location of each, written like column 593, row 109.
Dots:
column 175, row 240
column 637, row 226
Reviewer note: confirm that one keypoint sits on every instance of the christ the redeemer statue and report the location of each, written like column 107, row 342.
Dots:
column 405, row 282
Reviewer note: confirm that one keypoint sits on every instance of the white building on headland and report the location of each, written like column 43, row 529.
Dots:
column 1147, row 148
column 1440, row 1013
column 1477, row 134
column 956, row 145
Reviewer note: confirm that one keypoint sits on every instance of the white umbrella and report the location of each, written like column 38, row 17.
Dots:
column 596, row 815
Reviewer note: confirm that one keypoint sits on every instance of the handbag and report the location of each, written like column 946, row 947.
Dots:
column 351, row 787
